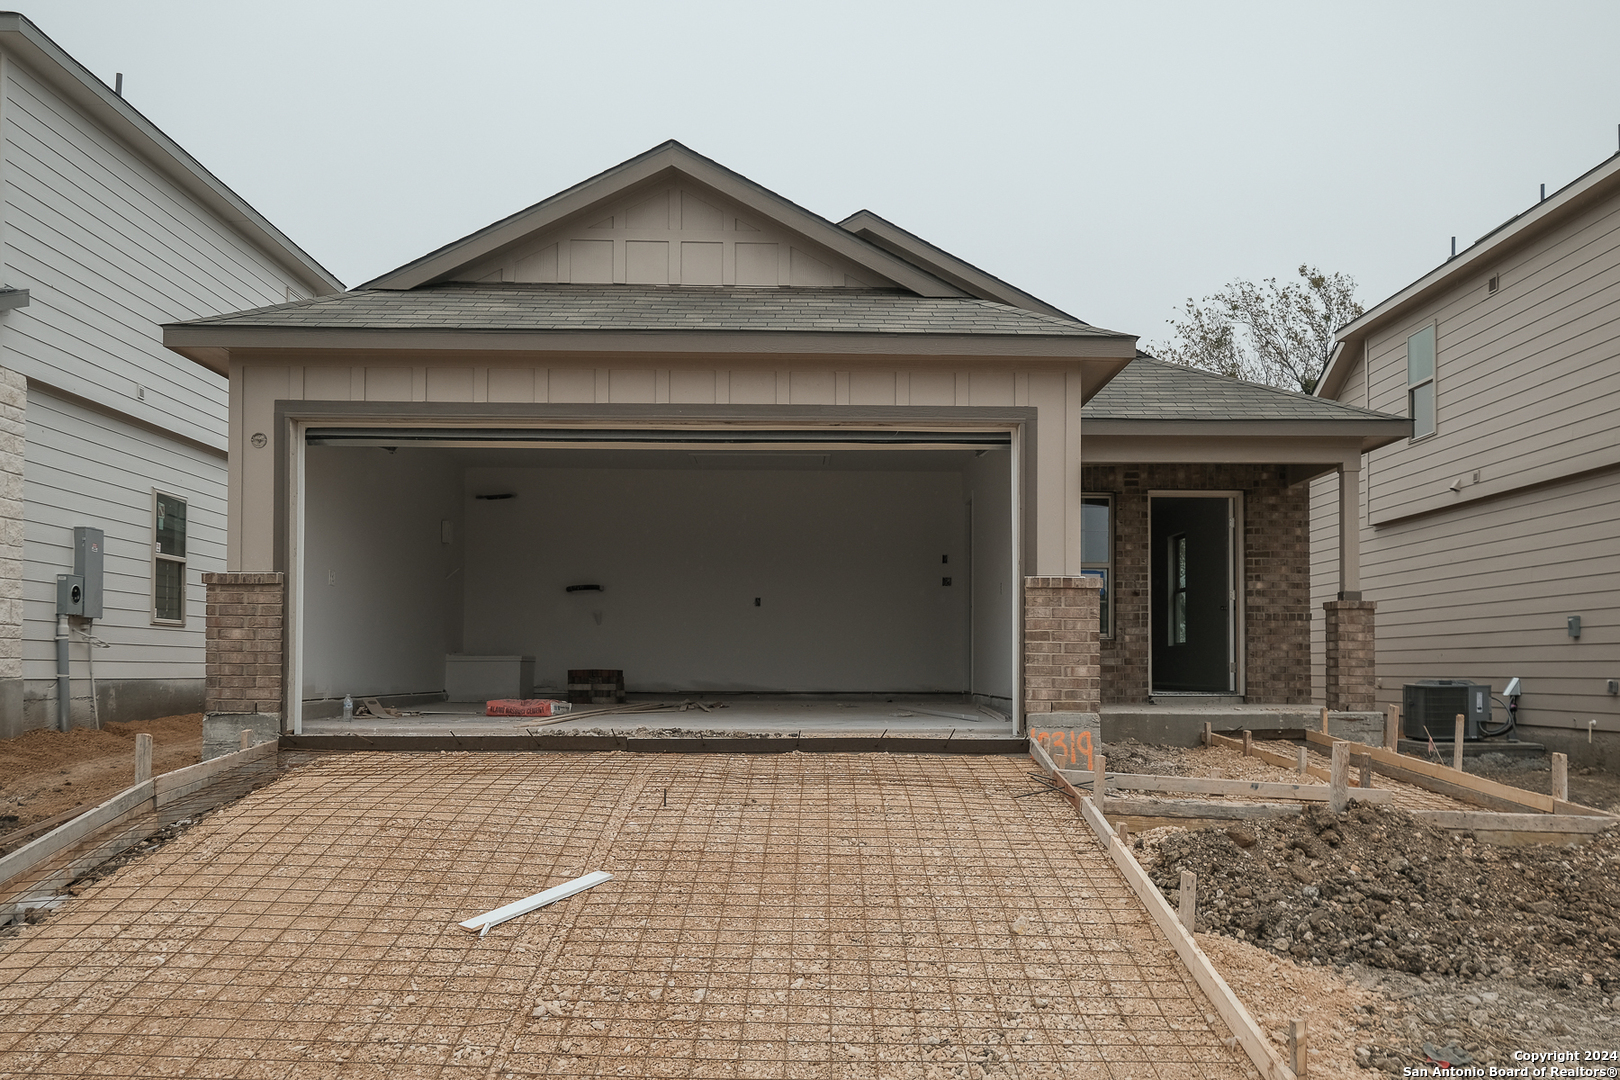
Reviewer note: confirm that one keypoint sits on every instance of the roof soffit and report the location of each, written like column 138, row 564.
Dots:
column 660, row 164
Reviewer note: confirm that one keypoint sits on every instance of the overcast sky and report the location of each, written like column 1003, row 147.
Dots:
column 1111, row 158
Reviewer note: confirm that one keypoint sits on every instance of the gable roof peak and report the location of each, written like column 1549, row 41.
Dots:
column 670, row 157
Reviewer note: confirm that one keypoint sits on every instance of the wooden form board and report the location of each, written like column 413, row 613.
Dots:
column 1199, row 785
column 143, row 797
column 1238, row 1018
column 1489, row 822
column 1488, row 792
column 32, row 854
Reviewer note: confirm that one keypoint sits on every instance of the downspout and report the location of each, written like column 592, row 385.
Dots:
column 64, row 678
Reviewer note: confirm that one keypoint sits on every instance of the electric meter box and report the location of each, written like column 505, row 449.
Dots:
column 69, row 594
column 89, row 545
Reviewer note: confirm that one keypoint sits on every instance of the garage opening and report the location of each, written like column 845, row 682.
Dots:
column 774, row 566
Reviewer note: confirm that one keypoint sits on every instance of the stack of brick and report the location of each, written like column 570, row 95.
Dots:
column 244, row 651
column 1062, row 665
column 1350, row 656
column 13, row 442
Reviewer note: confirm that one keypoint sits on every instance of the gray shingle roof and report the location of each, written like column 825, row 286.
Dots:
column 528, row 308
column 1151, row 389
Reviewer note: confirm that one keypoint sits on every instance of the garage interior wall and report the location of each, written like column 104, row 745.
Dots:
column 847, row 568
column 995, row 588
column 846, row 554
column 382, row 588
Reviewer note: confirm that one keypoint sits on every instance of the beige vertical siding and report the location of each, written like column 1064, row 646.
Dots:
column 1054, row 393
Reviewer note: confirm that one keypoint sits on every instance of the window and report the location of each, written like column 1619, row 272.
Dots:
column 168, row 560
column 1178, row 589
column 1420, row 381
column 1097, row 549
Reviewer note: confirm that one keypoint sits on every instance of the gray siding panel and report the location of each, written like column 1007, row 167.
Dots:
column 88, row 468
column 109, row 249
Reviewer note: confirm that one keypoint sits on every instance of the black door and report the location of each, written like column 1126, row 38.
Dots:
column 1192, row 595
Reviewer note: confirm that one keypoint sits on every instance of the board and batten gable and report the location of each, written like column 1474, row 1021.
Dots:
column 1479, row 542
column 680, row 234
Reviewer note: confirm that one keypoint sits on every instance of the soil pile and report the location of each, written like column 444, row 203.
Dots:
column 1377, row 887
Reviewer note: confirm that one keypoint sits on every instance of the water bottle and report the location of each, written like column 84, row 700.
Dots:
column 348, row 706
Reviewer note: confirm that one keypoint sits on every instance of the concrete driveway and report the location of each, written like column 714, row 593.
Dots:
column 793, row 915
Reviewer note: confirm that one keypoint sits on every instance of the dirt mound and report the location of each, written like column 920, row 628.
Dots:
column 1376, row 886
column 46, row 772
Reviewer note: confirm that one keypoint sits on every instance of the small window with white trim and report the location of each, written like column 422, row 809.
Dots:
column 1097, row 550
column 168, row 560
column 1420, row 382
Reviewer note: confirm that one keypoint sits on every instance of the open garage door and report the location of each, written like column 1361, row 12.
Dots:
column 785, row 562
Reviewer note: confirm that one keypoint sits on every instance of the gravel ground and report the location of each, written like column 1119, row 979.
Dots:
column 1475, row 947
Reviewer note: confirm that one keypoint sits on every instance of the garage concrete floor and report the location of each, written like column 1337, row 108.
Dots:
column 793, row 915
column 827, row 715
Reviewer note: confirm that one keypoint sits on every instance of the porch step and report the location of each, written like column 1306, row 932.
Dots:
column 1175, row 724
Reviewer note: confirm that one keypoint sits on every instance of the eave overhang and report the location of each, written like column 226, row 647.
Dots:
column 1361, row 434
column 1596, row 185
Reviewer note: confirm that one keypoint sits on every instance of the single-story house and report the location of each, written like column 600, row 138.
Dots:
column 669, row 422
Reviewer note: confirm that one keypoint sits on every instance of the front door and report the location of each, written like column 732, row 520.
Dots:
column 1192, row 593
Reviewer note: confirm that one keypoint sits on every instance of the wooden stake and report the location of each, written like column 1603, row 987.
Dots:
column 143, row 758
column 1325, row 730
column 1392, row 726
column 1208, row 730
column 1457, row 745
column 1296, row 1047
column 1304, row 761
column 1248, row 743
column 246, row 738
column 1366, row 770
column 1189, row 899
column 1560, row 777
column 1099, row 780
column 1123, row 831
column 1339, row 782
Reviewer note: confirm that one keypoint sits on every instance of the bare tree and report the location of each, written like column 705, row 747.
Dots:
column 1279, row 335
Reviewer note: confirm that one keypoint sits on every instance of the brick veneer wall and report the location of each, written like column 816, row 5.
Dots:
column 1348, row 681
column 13, row 442
column 1276, row 575
column 1061, row 664
column 245, row 658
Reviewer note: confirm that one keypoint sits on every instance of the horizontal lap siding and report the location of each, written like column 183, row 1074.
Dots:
column 1528, row 382
column 109, row 250
column 1483, row 593
column 87, row 468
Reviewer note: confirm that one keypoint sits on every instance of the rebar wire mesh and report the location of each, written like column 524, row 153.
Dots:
column 771, row 916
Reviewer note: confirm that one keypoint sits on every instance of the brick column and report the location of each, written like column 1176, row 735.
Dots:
column 1062, row 661
column 13, row 444
column 1351, row 663
column 245, row 658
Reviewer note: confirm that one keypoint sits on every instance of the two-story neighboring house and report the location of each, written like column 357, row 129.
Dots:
column 108, row 229
column 1490, row 538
